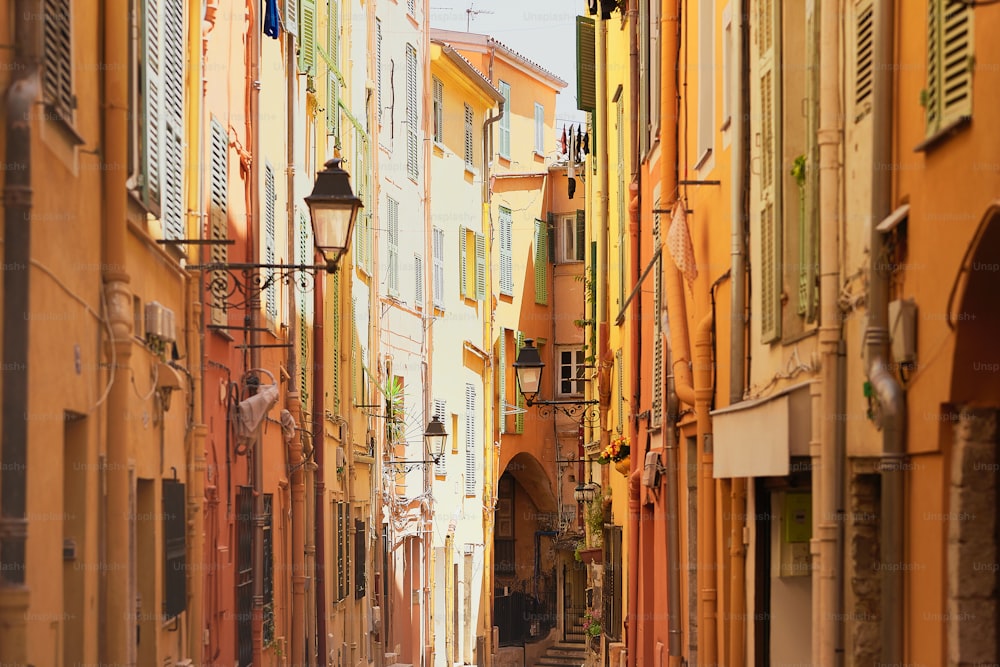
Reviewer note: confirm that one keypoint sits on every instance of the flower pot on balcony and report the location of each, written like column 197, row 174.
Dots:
column 623, row 465
column 595, row 555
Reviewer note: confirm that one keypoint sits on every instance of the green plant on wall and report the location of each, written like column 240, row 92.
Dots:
column 594, row 518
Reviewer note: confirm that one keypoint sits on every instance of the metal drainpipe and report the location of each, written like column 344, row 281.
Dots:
column 319, row 446
column 826, row 455
column 887, row 389
column 253, row 127
column 737, row 367
column 674, row 635
column 605, row 355
column 119, row 647
column 707, row 557
column 17, row 196
column 637, row 460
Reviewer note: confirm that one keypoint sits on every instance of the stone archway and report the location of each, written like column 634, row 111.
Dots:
column 973, row 543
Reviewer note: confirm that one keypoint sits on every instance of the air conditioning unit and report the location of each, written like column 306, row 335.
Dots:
column 160, row 323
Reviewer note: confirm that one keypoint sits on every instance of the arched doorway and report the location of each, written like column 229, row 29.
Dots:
column 974, row 478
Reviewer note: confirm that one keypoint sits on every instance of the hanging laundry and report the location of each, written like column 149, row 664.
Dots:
column 271, row 26
column 579, row 142
column 592, row 6
column 572, row 187
column 562, row 141
column 586, row 143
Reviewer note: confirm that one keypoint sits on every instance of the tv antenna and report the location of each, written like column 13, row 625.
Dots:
column 470, row 12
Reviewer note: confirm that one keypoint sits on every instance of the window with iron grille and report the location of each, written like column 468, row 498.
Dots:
column 612, row 586
column 572, row 237
column 174, row 545
column 268, row 572
column 244, row 575
column 360, row 559
column 57, row 60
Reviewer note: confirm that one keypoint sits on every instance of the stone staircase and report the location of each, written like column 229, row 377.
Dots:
column 570, row 652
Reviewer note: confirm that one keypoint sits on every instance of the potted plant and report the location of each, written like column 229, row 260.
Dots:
column 592, row 628
column 618, row 453
column 588, row 555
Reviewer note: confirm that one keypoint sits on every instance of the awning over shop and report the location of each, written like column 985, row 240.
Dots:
column 758, row 438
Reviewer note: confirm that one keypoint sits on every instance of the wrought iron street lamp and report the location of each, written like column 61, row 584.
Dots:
column 528, row 370
column 333, row 207
column 435, row 437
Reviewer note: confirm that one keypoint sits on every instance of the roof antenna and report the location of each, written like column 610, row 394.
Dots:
column 469, row 14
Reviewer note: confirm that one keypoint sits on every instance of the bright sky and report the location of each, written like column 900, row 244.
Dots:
column 541, row 30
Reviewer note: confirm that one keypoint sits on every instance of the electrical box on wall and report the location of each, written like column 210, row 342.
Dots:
column 792, row 532
column 903, row 330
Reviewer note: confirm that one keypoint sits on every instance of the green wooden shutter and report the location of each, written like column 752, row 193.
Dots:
column 581, row 234
column 586, row 64
column 462, row 263
column 768, row 40
column 949, row 63
column 519, row 417
column 541, row 267
column 173, row 87
column 307, row 36
column 480, row 267
column 550, row 234
column 502, row 380
column 218, row 218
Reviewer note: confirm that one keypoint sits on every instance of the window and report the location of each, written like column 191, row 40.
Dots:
column 438, row 110
column 505, row 121
column 174, row 545
column 706, row 83
column 57, row 63
column 541, row 267
column 418, row 281
column 506, row 252
column 339, row 518
column 438, row 284
column 412, row 121
column 161, row 114
column 244, row 575
column 268, row 571
column 378, row 66
column 768, row 43
column 470, row 440
column 539, row 129
column 218, row 217
column 948, row 98
column 468, row 137
column 392, row 242
column 307, row 36
column 360, row 558
column 572, row 237
column 441, row 467
column 864, row 42
column 472, row 264
column 586, row 63
column 270, row 204
column 572, row 369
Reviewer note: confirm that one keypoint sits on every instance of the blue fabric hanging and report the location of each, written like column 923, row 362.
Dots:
column 271, row 26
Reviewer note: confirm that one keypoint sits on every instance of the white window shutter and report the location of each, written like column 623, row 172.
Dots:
column 393, row 247
column 441, row 467
column 418, row 281
column 471, row 459
column 502, row 379
column 505, row 120
column 292, row 16
column 768, row 38
column 506, row 252
column 463, row 264
column 438, row 259
column 480, row 267
column 153, row 104
column 412, row 119
column 172, row 214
